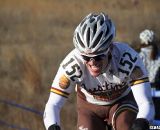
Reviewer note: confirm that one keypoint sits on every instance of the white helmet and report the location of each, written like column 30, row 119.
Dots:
column 146, row 36
column 94, row 34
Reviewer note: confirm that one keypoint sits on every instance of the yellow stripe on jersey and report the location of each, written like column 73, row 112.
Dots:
column 59, row 92
column 139, row 81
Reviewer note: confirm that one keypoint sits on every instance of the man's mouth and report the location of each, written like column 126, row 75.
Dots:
column 95, row 68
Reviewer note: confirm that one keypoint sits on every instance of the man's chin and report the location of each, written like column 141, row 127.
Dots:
column 94, row 74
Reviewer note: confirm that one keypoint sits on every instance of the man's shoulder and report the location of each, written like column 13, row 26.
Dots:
column 122, row 46
column 123, row 50
column 71, row 57
column 72, row 65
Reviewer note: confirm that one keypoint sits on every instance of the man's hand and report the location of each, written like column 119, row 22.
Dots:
column 54, row 127
column 140, row 124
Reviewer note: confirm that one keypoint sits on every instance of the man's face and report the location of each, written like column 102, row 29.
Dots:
column 96, row 65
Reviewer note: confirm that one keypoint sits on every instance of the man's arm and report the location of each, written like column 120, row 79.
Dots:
column 141, row 89
column 52, row 111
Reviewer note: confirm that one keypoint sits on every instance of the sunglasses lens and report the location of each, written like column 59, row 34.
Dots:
column 96, row 58
column 100, row 57
column 86, row 58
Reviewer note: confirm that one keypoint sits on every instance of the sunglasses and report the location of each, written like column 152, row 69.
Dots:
column 95, row 58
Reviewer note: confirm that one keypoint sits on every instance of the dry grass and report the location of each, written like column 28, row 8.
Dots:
column 35, row 35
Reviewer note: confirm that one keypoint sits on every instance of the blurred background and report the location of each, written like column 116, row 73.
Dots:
column 35, row 35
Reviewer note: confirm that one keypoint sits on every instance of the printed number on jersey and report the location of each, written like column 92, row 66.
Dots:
column 72, row 69
column 127, row 63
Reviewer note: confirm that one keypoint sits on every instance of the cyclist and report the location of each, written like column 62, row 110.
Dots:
column 111, row 81
column 151, row 56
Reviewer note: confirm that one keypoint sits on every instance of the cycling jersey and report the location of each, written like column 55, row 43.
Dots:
column 114, row 83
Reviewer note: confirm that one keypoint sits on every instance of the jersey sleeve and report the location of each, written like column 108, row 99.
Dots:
column 143, row 97
column 59, row 93
column 141, row 89
column 68, row 75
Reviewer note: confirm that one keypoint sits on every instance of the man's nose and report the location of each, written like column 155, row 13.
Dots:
column 92, row 60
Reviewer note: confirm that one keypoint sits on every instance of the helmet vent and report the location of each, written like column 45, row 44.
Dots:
column 94, row 29
column 97, row 39
column 88, row 37
column 84, row 28
column 91, row 20
column 101, row 20
column 80, row 41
